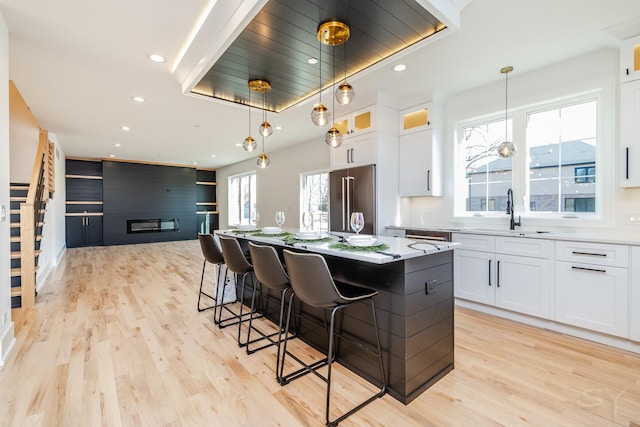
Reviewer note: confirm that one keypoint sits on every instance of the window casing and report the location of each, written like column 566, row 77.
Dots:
column 554, row 171
column 242, row 198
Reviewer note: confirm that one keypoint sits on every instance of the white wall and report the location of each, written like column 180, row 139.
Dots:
column 278, row 186
column 54, row 239
column 6, row 325
column 575, row 74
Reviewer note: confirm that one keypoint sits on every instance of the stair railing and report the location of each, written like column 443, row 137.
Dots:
column 29, row 218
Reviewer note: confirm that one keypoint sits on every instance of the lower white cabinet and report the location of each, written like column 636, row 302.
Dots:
column 634, row 298
column 592, row 286
column 520, row 280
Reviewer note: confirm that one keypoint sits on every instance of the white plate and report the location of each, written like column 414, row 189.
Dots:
column 271, row 230
column 308, row 236
column 360, row 242
column 245, row 227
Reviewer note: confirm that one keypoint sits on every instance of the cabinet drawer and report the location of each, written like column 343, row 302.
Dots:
column 475, row 242
column 592, row 253
column 536, row 248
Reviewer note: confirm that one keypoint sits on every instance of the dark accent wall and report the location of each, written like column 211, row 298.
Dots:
column 141, row 191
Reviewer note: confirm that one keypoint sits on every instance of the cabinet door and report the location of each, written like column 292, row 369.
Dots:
column 474, row 277
column 418, row 172
column 523, row 284
column 93, row 232
column 630, row 134
column 630, row 59
column 356, row 151
column 74, row 231
column 592, row 297
column 634, row 306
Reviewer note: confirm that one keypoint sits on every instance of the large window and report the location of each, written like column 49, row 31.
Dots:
column 554, row 170
column 314, row 198
column 242, row 198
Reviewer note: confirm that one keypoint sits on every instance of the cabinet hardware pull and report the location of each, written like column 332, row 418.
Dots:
column 429, row 180
column 489, row 272
column 352, row 156
column 425, row 237
column 627, row 153
column 588, row 254
column 498, row 275
column 430, row 287
column 599, row 270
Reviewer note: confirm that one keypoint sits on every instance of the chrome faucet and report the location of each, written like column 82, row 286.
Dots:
column 512, row 222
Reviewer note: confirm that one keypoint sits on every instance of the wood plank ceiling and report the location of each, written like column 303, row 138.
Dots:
column 278, row 42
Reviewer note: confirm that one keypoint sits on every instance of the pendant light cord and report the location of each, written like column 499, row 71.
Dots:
column 320, row 73
column 506, row 89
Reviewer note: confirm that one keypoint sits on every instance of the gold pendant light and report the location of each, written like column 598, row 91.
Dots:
column 262, row 86
column 333, row 138
column 345, row 93
column 320, row 115
column 249, row 144
column 506, row 148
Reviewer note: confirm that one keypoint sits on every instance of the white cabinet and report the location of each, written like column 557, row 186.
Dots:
column 630, row 59
column 630, row 134
column 513, row 273
column 419, row 151
column 419, row 160
column 634, row 297
column 357, row 123
column 592, row 286
column 357, row 151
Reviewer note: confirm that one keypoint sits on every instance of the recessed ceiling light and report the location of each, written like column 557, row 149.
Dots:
column 238, row 145
column 156, row 58
column 112, row 155
column 195, row 163
column 125, row 128
column 400, row 67
column 278, row 127
column 138, row 99
column 213, row 155
column 117, row 145
column 312, row 61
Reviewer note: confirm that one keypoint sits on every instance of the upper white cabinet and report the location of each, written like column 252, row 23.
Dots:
column 357, row 123
column 419, row 153
column 630, row 59
column 630, row 134
column 356, row 151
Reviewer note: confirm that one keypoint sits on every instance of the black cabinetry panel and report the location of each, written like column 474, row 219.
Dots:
column 133, row 191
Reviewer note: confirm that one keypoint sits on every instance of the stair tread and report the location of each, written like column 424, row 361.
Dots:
column 14, row 239
column 15, row 272
column 18, row 198
column 17, row 254
column 16, row 291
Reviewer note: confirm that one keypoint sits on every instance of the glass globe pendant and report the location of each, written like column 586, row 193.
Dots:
column 506, row 148
column 345, row 93
column 320, row 115
column 249, row 144
column 333, row 137
column 265, row 129
column 263, row 161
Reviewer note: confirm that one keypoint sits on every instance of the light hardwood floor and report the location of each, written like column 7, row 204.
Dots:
column 115, row 340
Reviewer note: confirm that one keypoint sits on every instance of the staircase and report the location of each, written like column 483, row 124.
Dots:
column 18, row 195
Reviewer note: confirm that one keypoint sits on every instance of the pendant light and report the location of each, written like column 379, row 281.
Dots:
column 333, row 137
column 506, row 148
column 320, row 115
column 345, row 93
column 262, row 86
column 249, row 144
column 265, row 128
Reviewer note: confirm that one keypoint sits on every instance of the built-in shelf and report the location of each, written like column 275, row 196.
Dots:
column 83, row 176
column 206, row 183
column 83, row 214
column 82, row 202
column 206, row 203
column 207, row 212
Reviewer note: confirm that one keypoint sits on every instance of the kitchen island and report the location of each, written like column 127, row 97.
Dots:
column 414, row 308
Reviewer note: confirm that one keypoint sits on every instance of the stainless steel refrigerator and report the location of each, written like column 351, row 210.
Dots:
column 352, row 190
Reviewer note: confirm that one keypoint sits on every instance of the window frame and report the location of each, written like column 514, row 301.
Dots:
column 324, row 225
column 230, row 202
column 601, row 91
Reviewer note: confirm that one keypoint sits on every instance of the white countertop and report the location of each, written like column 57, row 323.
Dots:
column 610, row 237
column 398, row 250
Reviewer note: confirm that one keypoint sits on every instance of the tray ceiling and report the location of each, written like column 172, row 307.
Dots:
column 278, row 42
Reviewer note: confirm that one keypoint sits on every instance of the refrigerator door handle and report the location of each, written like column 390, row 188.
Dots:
column 344, row 201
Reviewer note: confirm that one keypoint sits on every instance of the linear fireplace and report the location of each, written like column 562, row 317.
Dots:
column 152, row 225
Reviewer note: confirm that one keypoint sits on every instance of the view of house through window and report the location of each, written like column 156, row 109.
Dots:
column 555, row 164
column 314, row 198
column 242, row 198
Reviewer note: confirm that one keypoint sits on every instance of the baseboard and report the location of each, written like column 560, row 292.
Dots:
column 610, row 340
column 7, row 341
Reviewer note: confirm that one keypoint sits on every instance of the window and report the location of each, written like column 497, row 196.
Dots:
column 554, row 169
column 242, row 198
column 314, row 198
column 488, row 177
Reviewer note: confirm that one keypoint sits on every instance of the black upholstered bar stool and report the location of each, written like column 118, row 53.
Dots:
column 212, row 255
column 270, row 274
column 313, row 284
column 237, row 263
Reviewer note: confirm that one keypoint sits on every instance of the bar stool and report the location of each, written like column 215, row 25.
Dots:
column 271, row 274
column 313, row 284
column 237, row 263
column 211, row 254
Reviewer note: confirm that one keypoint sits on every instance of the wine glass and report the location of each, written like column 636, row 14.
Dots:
column 279, row 218
column 307, row 220
column 357, row 221
column 255, row 217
